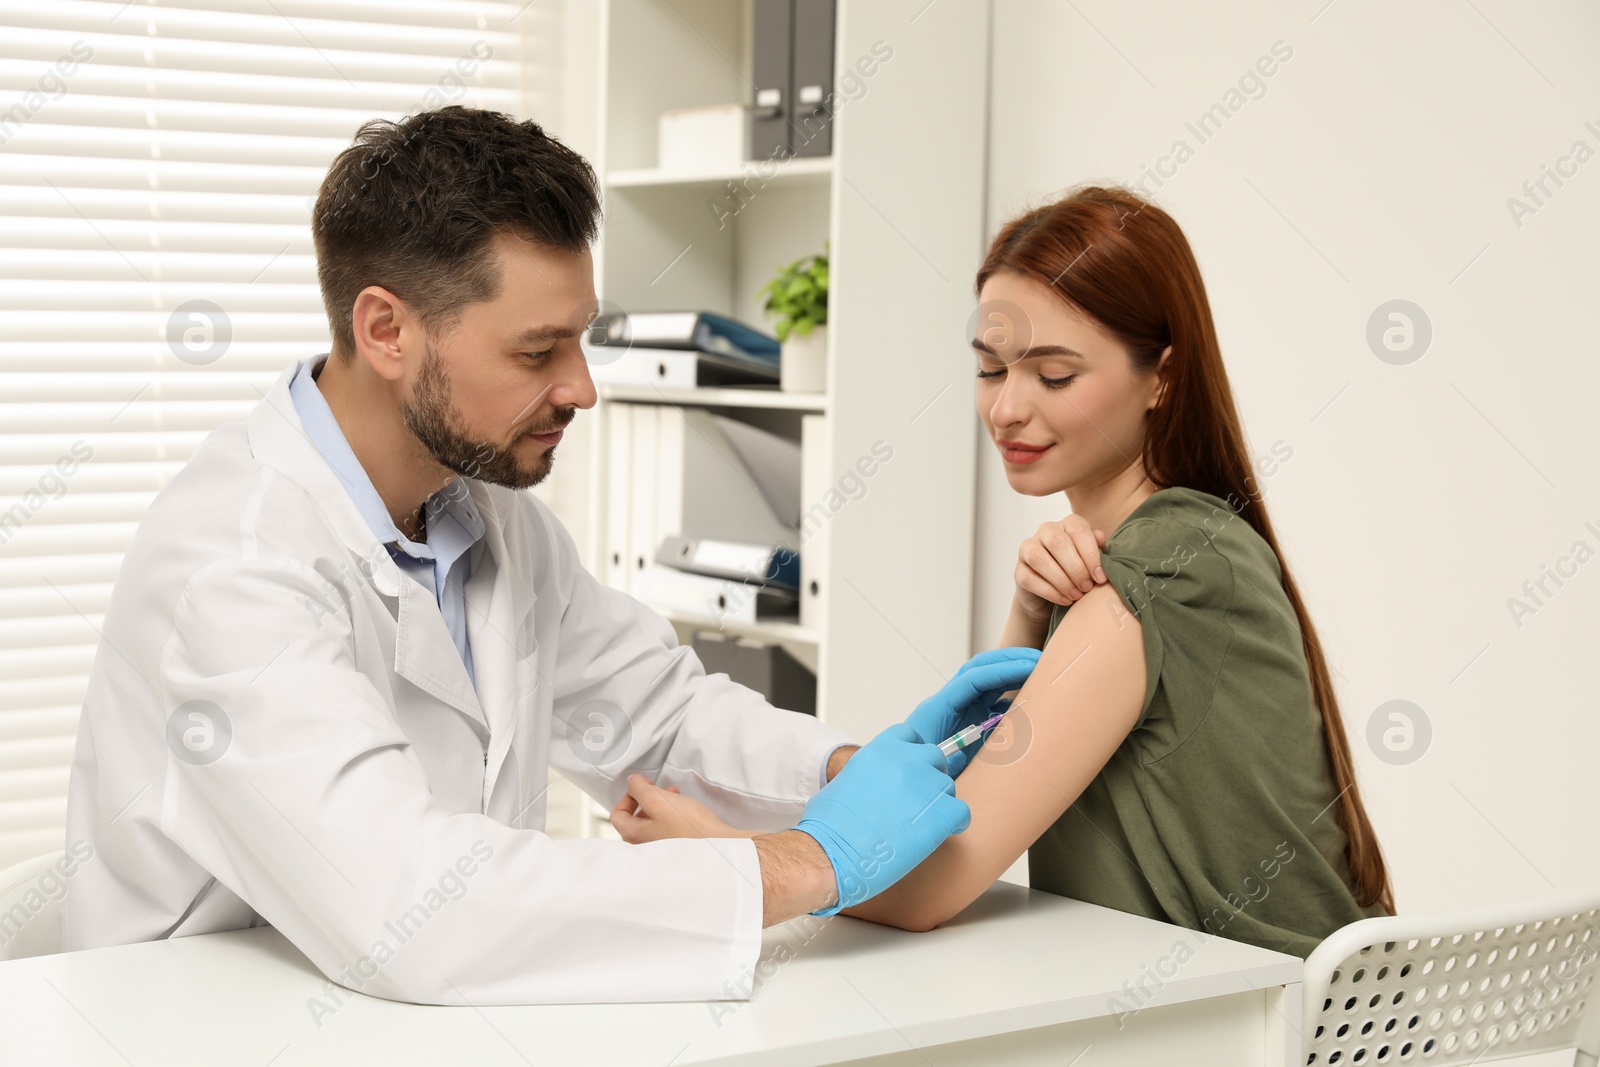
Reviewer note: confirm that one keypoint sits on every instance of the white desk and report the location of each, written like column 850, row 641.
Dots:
column 1021, row 977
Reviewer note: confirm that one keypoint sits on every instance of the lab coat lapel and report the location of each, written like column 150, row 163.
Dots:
column 424, row 653
column 500, row 598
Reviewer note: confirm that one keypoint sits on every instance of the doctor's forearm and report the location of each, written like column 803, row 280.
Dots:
column 840, row 756
column 796, row 876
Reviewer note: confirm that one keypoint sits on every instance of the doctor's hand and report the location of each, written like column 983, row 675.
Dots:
column 971, row 696
column 886, row 812
column 647, row 812
column 1058, row 565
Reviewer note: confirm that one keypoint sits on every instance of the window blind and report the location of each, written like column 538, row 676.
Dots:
column 158, row 162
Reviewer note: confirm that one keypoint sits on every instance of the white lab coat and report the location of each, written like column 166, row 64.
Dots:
column 383, row 815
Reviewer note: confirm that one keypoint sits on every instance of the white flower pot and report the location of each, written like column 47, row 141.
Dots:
column 804, row 368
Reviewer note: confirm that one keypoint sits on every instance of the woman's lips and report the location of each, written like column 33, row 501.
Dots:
column 1019, row 453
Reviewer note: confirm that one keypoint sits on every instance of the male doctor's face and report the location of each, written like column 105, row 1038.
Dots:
column 489, row 399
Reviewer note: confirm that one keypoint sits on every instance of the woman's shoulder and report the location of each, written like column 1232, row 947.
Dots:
column 1167, row 508
column 1187, row 543
column 1180, row 515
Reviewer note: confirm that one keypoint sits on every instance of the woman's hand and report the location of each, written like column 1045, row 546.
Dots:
column 1058, row 565
column 647, row 812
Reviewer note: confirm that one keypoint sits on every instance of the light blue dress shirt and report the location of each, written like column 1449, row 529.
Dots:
column 442, row 565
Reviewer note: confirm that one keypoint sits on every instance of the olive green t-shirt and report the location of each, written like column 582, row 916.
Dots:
column 1217, row 812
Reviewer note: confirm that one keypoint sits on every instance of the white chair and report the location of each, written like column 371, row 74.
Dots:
column 1456, row 989
column 31, row 894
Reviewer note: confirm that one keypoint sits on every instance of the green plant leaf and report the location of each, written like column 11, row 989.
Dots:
column 797, row 296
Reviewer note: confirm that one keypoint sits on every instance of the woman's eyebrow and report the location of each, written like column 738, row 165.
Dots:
column 1036, row 350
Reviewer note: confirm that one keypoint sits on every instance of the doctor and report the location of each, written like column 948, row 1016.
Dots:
column 344, row 651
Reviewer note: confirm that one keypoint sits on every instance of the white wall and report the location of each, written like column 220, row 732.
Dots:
column 570, row 111
column 1377, row 166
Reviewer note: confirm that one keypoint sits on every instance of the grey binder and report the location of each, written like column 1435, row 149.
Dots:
column 811, row 132
column 771, row 54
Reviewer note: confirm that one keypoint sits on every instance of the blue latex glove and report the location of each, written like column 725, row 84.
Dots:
column 972, row 695
column 884, row 813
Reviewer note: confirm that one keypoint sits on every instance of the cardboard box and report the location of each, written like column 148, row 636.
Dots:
column 702, row 139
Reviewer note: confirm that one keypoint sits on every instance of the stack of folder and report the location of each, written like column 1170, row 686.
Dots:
column 674, row 349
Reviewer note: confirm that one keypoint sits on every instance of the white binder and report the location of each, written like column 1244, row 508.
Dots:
column 815, row 481
column 616, row 568
column 674, row 369
column 719, row 601
column 644, row 475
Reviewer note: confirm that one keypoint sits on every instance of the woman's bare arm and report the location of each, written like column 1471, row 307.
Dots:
column 1076, row 708
column 1023, row 630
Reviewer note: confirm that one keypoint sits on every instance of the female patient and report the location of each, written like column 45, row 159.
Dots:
column 1178, row 752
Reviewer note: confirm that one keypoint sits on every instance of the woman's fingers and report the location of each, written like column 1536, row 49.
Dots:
column 1065, row 556
column 1091, row 544
column 1062, row 541
column 1039, row 573
column 1028, row 581
column 1088, row 543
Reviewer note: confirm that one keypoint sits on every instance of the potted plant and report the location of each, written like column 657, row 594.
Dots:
column 797, row 298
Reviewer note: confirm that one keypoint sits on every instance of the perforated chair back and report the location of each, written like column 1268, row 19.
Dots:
column 1456, row 989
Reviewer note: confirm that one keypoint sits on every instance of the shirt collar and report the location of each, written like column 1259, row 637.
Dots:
column 453, row 519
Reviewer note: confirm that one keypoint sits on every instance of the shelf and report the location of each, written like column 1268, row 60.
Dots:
column 889, row 597
column 770, row 630
column 727, row 397
column 799, row 171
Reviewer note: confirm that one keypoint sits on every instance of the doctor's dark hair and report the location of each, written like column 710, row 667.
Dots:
column 1125, row 264
column 413, row 206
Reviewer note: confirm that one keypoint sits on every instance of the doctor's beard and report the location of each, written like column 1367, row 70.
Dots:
column 439, row 427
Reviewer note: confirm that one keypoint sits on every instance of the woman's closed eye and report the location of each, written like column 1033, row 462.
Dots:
column 1048, row 383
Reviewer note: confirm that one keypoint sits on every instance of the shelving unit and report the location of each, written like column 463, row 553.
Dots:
column 714, row 398
column 775, row 630
column 817, row 171
column 899, row 205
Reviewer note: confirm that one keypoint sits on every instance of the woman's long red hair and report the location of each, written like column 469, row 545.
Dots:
column 1125, row 264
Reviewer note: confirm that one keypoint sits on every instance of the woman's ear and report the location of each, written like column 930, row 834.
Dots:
column 1161, row 378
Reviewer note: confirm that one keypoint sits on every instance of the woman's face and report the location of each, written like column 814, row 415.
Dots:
column 1057, row 393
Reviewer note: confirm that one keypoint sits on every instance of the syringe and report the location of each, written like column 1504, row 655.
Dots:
column 967, row 736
